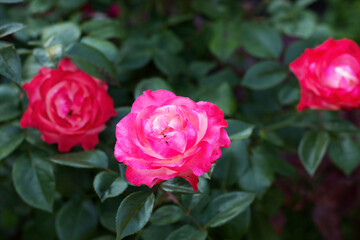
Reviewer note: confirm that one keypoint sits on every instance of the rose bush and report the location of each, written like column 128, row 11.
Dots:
column 68, row 106
column 167, row 136
column 329, row 75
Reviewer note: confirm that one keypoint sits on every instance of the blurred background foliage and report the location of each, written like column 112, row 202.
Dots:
column 230, row 52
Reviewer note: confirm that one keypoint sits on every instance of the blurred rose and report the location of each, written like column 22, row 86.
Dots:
column 68, row 106
column 167, row 136
column 329, row 75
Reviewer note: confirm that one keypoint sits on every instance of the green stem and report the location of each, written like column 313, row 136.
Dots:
column 187, row 213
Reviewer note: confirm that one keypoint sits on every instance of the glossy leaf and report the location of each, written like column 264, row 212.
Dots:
column 345, row 154
column 108, row 185
column 178, row 185
column 10, row 63
column 227, row 206
column 86, row 159
column 187, row 232
column 312, row 149
column 10, row 28
column 238, row 130
column 134, row 212
column 154, row 83
column 225, row 39
column 10, row 138
column 9, row 102
column 261, row 40
column 264, row 75
column 92, row 61
column 76, row 220
column 167, row 215
column 34, row 181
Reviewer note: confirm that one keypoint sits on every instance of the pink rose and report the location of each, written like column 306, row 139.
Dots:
column 166, row 136
column 329, row 75
column 68, row 106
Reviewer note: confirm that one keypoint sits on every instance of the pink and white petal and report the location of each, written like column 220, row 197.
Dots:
column 151, row 98
column 149, row 177
column 191, row 178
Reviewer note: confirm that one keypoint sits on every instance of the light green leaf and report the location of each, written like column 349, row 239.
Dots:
column 105, row 47
column 312, row 149
column 264, row 75
column 87, row 159
column 134, row 212
column 34, row 181
column 108, row 185
column 64, row 33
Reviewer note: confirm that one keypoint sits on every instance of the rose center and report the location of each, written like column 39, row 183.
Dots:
column 341, row 73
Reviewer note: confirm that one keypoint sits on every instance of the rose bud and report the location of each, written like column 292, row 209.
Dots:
column 329, row 75
column 67, row 106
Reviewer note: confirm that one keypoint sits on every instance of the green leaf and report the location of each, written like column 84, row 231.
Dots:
column 225, row 39
column 187, row 232
column 264, row 75
column 233, row 163
column 9, row 102
column 200, row 69
column 108, row 185
column 168, row 63
column 239, row 130
column 177, row 184
column 10, row 138
column 64, row 33
column 105, row 47
column 134, row 212
column 345, row 154
column 50, row 56
column 238, row 227
column 34, row 181
column 104, row 28
column 92, row 61
column 261, row 40
column 87, row 159
column 167, row 41
column 154, row 83
column 289, row 95
column 10, row 1
column 153, row 232
column 312, row 149
column 105, row 237
column 167, row 215
column 10, row 28
column 76, row 220
column 259, row 176
column 295, row 50
column 227, row 206
column 10, row 65
column 135, row 53
column 107, row 212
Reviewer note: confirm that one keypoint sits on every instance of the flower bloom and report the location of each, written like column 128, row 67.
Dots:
column 68, row 106
column 166, row 136
column 329, row 75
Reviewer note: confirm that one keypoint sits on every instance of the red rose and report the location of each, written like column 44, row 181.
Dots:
column 166, row 136
column 68, row 106
column 329, row 75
